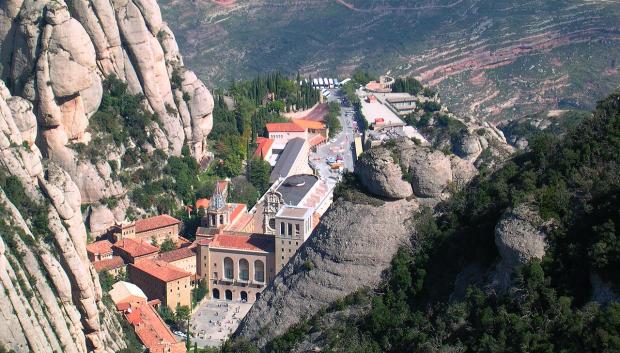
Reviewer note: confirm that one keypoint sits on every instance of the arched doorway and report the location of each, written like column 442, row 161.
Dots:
column 228, row 294
column 216, row 293
column 244, row 296
column 257, row 296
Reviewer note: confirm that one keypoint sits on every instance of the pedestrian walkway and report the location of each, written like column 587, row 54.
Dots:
column 215, row 320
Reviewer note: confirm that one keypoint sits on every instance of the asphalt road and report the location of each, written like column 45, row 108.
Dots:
column 340, row 145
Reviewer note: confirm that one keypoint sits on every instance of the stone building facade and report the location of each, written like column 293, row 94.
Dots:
column 163, row 281
column 293, row 227
column 240, row 265
column 157, row 228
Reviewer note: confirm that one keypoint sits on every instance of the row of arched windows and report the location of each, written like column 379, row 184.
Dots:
column 244, row 270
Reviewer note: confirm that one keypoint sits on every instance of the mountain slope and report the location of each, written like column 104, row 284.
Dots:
column 492, row 59
column 92, row 92
column 370, row 220
column 523, row 258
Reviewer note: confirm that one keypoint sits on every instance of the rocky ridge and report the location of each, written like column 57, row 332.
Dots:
column 358, row 236
column 51, row 293
column 55, row 56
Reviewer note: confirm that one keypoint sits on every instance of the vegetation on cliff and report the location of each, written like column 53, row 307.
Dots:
column 552, row 304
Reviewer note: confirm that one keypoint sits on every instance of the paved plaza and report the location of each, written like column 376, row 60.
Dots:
column 215, row 320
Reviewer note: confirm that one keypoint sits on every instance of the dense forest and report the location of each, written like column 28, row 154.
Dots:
column 573, row 184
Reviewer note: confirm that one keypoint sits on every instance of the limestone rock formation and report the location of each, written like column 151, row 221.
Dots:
column 57, row 54
column 519, row 237
column 56, row 303
column 54, row 57
column 430, row 171
column 379, row 173
column 348, row 250
column 468, row 146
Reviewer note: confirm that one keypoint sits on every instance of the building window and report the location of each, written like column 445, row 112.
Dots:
column 282, row 259
column 297, row 243
column 290, row 229
column 296, row 229
column 228, row 268
column 244, row 270
column 289, row 242
column 282, row 228
column 259, row 271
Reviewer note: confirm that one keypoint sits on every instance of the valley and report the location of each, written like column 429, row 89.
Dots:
column 490, row 59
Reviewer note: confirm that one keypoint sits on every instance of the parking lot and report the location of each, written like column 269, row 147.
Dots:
column 215, row 321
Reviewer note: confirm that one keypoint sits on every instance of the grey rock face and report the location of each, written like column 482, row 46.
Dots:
column 349, row 250
column 468, row 146
column 381, row 176
column 62, row 314
column 61, row 50
column 431, row 172
column 519, row 239
column 463, row 171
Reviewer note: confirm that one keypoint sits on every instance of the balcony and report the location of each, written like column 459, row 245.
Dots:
column 258, row 283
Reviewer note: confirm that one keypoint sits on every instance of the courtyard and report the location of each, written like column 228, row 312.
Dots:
column 215, row 320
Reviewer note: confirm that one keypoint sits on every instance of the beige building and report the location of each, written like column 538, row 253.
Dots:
column 99, row 250
column 158, row 228
column 183, row 258
column 134, row 250
column 293, row 160
column 282, row 133
column 163, row 281
column 293, row 227
column 240, row 265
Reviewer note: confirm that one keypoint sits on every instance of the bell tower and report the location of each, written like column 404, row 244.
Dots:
column 217, row 213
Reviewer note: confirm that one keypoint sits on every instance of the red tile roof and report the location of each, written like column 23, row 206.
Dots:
column 242, row 241
column 129, row 301
column 284, row 127
column 161, row 270
column 204, row 203
column 241, row 224
column 238, row 210
column 135, row 247
column 310, row 124
column 108, row 264
column 204, row 241
column 164, row 220
column 151, row 329
column 178, row 254
column 99, row 247
column 264, row 145
column 316, row 140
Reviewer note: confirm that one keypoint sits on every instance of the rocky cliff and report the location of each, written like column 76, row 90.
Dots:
column 55, row 57
column 56, row 54
column 370, row 220
column 50, row 298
